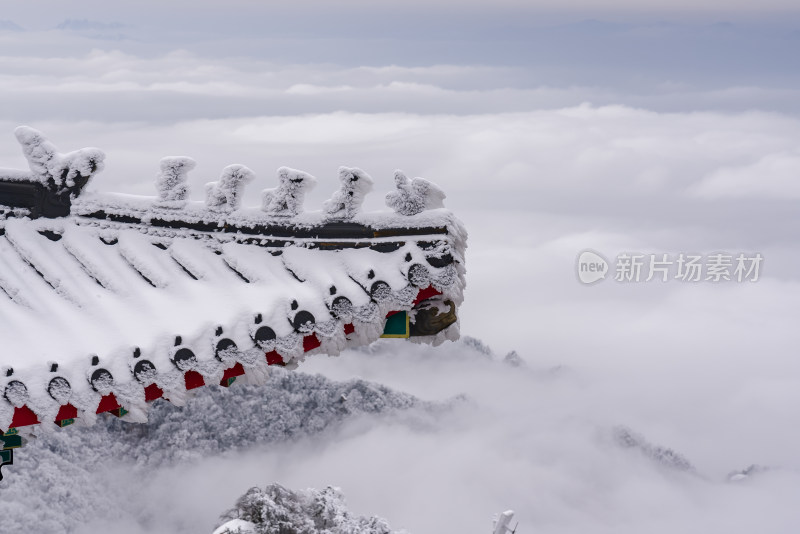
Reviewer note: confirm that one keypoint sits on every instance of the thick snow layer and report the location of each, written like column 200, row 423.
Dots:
column 148, row 208
column 93, row 294
column 236, row 526
column 16, row 175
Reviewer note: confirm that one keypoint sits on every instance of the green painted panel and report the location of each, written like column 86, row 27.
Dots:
column 11, row 442
column 397, row 325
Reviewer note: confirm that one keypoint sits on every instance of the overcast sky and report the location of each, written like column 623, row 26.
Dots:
column 553, row 127
column 634, row 50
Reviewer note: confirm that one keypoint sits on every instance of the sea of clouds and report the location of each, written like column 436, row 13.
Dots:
column 543, row 153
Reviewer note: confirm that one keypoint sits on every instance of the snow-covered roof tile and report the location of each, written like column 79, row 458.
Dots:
column 109, row 301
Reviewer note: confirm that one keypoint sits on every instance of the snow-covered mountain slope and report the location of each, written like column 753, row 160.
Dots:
column 277, row 510
column 89, row 474
column 561, row 446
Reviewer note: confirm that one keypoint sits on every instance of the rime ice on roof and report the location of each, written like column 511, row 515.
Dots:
column 347, row 200
column 225, row 194
column 111, row 301
column 286, row 200
column 414, row 196
column 171, row 181
column 64, row 171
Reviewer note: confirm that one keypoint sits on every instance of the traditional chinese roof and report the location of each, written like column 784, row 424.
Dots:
column 111, row 301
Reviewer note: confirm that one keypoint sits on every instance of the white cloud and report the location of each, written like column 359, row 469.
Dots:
column 312, row 90
column 773, row 175
column 533, row 188
column 538, row 439
column 50, row 75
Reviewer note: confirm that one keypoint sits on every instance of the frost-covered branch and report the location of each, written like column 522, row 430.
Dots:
column 277, row 510
column 347, row 200
column 68, row 172
column 286, row 200
column 414, row 196
column 225, row 194
column 171, row 181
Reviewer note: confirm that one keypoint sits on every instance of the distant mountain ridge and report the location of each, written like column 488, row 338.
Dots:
column 86, row 24
column 10, row 26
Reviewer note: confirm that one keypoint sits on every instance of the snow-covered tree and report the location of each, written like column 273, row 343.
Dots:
column 514, row 359
column 62, row 172
column 225, row 194
column 286, row 200
column 277, row 510
column 171, row 181
column 347, row 200
column 627, row 439
column 414, row 196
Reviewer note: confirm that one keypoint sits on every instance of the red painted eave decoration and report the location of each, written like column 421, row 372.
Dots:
column 236, row 370
column 349, row 329
column 23, row 417
column 108, row 403
column 310, row 343
column 425, row 294
column 230, row 375
column 152, row 392
column 273, row 358
column 193, row 380
column 67, row 411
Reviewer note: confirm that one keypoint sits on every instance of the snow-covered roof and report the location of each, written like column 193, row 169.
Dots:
column 127, row 299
